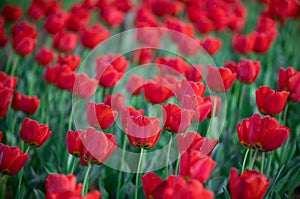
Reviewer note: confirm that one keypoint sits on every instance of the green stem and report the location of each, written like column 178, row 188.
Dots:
column 121, row 166
column 245, row 160
column 168, row 156
column 285, row 113
column 3, row 186
column 241, row 100
column 213, row 113
column 85, row 181
column 32, row 83
column 138, row 175
column 13, row 70
column 253, row 160
column 21, row 175
column 61, row 119
column 14, row 122
column 73, row 165
column 8, row 62
column 262, row 162
column 177, row 165
column 71, row 119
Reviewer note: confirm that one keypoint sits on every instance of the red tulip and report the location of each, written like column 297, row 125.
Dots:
column 22, row 30
column 219, row 79
column 247, row 71
column 123, row 5
column 204, row 24
column 143, row 56
column 177, row 120
column 12, row 159
column 91, row 37
column 190, row 88
column 55, row 22
column 36, row 11
column 211, row 45
column 33, row 133
column 116, row 101
column 283, row 77
column 5, row 94
column 26, row 104
column 164, row 7
column 195, row 73
column 11, row 12
column 74, row 143
column 1, row 135
column 143, row 132
column 192, row 141
column 196, row 103
column 283, row 9
column 3, row 38
column 92, row 141
column 8, row 81
column 84, row 87
column 265, row 23
column 243, row 44
column 112, row 16
column 59, row 183
column 294, row 87
column 128, row 111
column 196, row 166
column 135, row 84
column 263, row 40
column 65, row 41
column 72, row 61
column 172, row 65
column 269, row 101
column 25, row 46
column 100, row 115
column 173, row 187
column 44, row 56
column 264, row 134
column 249, row 185
column 78, row 18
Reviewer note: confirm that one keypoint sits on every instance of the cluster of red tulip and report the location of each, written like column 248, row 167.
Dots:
column 44, row 49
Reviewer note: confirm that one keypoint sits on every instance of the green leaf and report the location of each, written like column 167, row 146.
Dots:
column 38, row 194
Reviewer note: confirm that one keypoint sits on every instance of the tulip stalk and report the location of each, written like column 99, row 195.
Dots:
column 138, row 174
column 177, row 165
column 121, row 165
column 262, row 162
column 253, row 158
column 245, row 160
column 168, row 156
column 3, row 186
column 13, row 70
column 85, row 181
column 21, row 175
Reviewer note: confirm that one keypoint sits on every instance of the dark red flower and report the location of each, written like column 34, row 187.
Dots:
column 74, row 143
column 78, row 18
column 246, row 70
column 36, row 10
column 1, row 135
column 25, row 46
column 193, row 141
column 22, row 30
column 269, row 101
column 5, row 94
column 91, row 37
column 249, row 185
column 263, row 40
column 112, row 16
column 12, row 159
column 196, row 166
column 283, row 8
column 65, row 41
column 55, row 22
column 142, row 131
column 44, row 56
column 219, row 79
column 190, row 88
column 3, row 38
column 164, row 7
column 72, row 61
column 92, row 141
column 176, row 119
column 150, row 182
column 26, row 104
column 264, row 134
column 172, row 65
column 100, row 115
column 11, row 12
column 115, row 101
column 211, row 45
column 195, row 73
column 289, row 79
column 243, row 44
column 8, row 81
column 84, row 87
column 201, row 107
column 283, row 77
column 33, row 133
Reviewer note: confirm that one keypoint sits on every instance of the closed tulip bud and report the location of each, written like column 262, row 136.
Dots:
column 84, row 87
column 100, row 115
column 243, row 44
column 65, row 41
column 44, row 56
column 219, row 79
column 247, row 71
column 26, row 104
column 135, row 84
column 112, row 16
column 55, row 22
column 264, row 134
column 11, row 12
column 74, row 143
column 211, row 45
column 6, row 94
column 294, row 87
column 12, row 159
column 91, row 37
column 25, row 46
column 33, row 133
column 127, row 112
column 269, row 101
column 284, row 76
column 72, row 61
column 248, row 185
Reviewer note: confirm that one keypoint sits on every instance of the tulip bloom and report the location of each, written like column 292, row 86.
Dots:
column 201, row 107
column 173, row 187
column 26, row 104
column 74, row 143
column 100, row 115
column 211, row 45
column 44, row 56
column 190, row 88
column 127, row 112
column 289, row 79
column 249, row 185
column 11, row 13
column 135, row 84
column 264, row 134
column 97, row 146
column 196, row 166
column 1, row 135
column 116, row 101
column 142, row 131
column 65, row 41
column 25, row 46
column 91, row 37
column 143, row 56
column 6, row 94
column 193, row 141
column 55, row 22
column 33, row 133
column 172, row 65
column 269, row 101
column 12, row 159
column 112, row 16
column 84, row 87
column 64, row 186
column 72, row 61
column 219, row 79
column 177, row 120
column 243, row 44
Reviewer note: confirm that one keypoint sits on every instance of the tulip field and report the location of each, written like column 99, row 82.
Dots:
column 128, row 99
